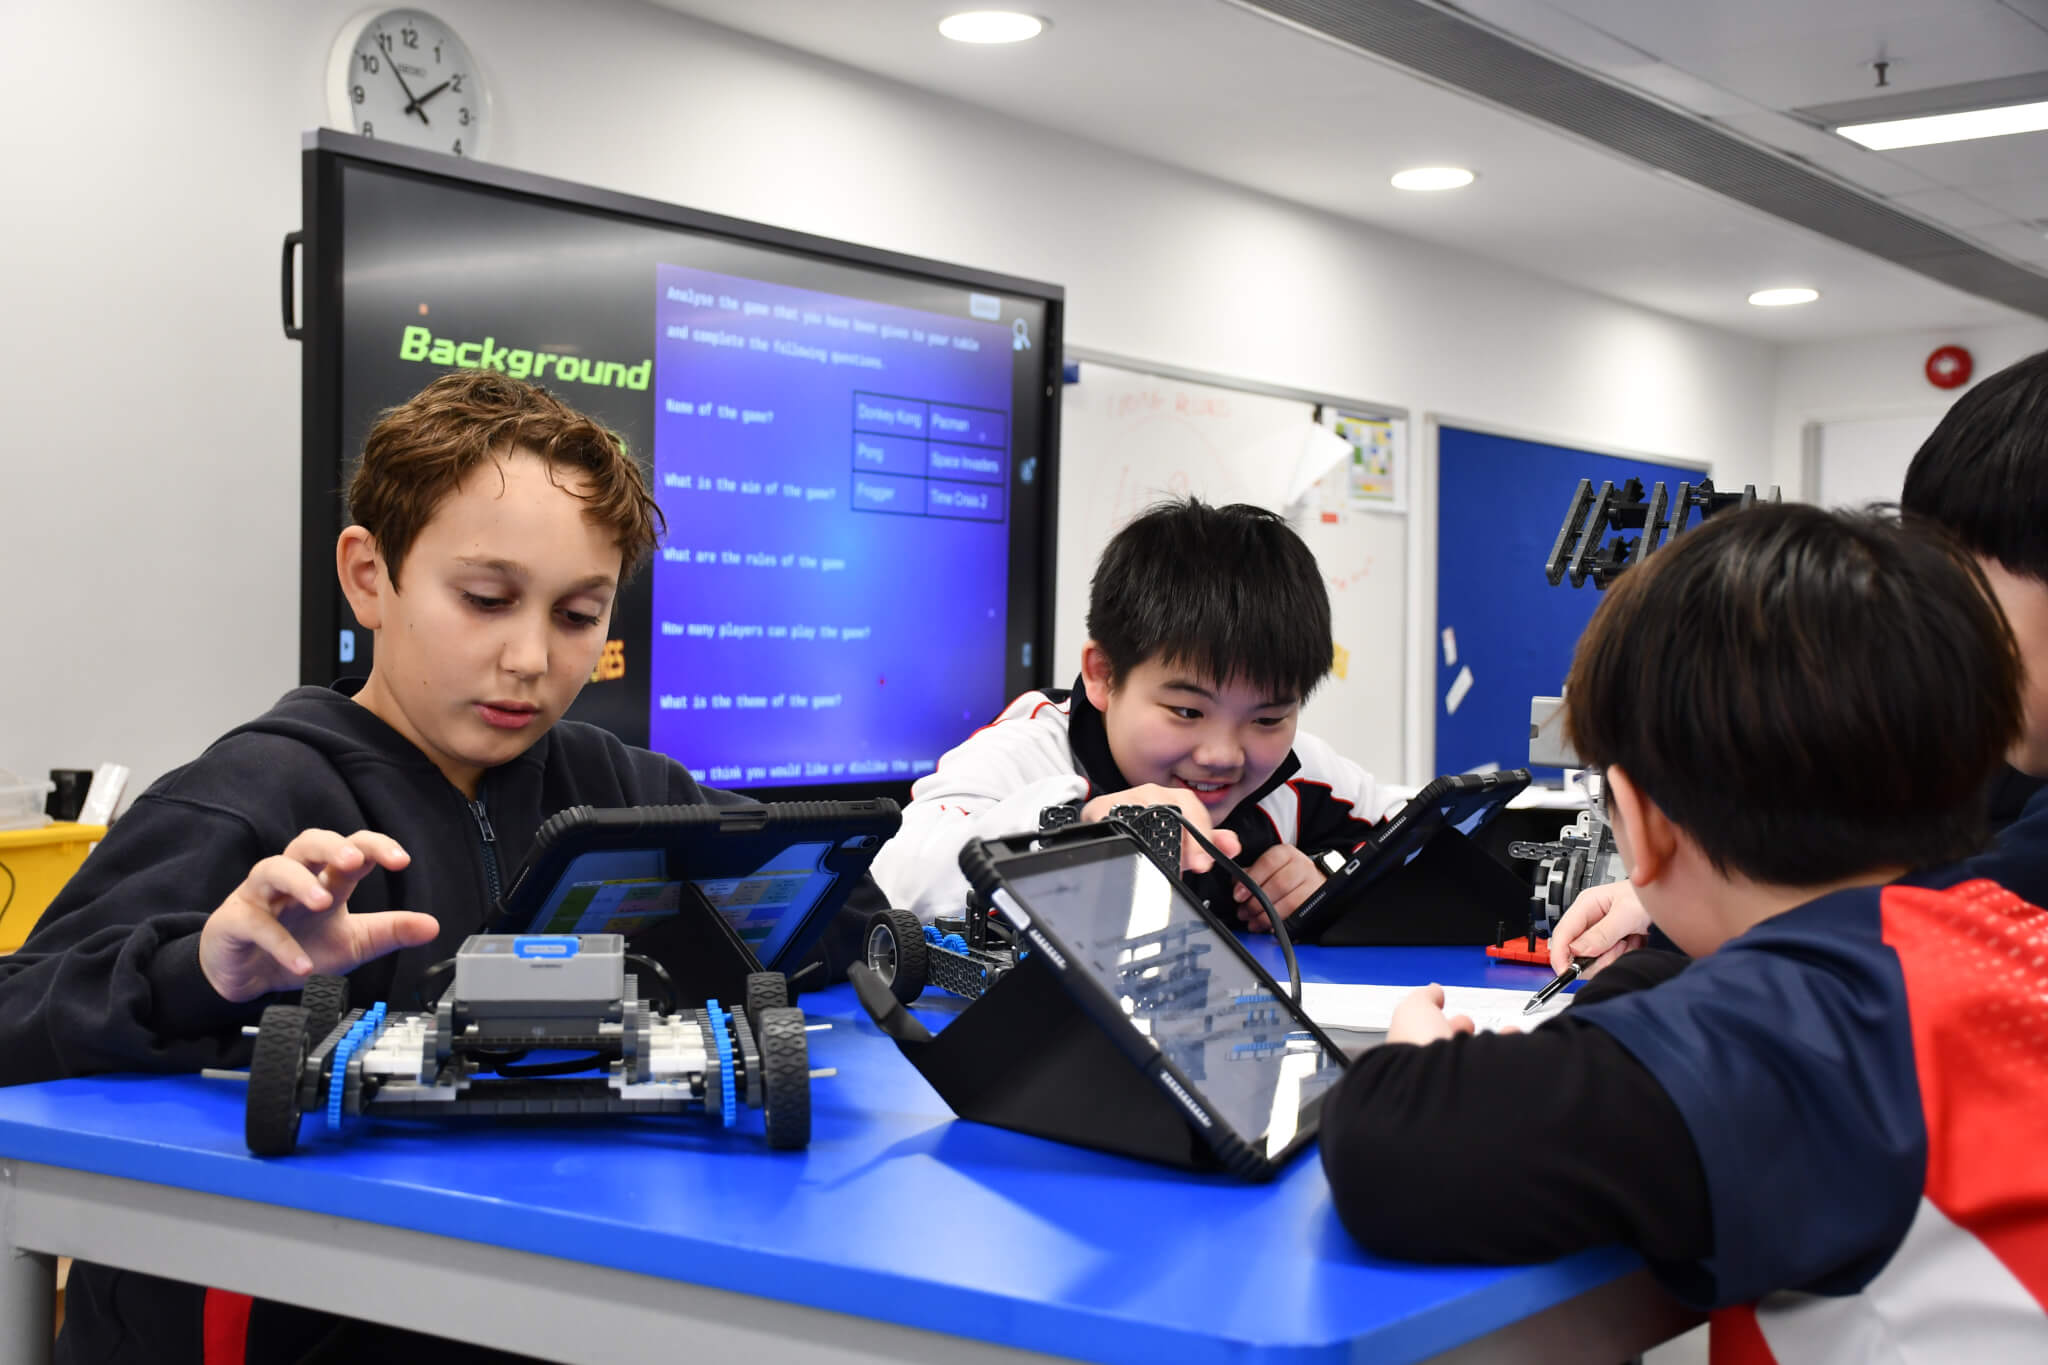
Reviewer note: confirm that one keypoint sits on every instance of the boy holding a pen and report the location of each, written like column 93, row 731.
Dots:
column 1981, row 478
column 1828, row 1127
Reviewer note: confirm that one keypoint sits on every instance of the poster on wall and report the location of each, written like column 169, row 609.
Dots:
column 1375, row 478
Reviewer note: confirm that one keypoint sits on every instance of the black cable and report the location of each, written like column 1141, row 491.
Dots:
column 669, row 996
column 1258, row 892
column 10, row 888
column 427, row 978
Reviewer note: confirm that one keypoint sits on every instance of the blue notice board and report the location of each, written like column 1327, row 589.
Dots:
column 1500, row 502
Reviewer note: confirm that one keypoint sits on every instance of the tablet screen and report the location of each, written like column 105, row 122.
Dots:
column 1197, row 997
column 625, row 890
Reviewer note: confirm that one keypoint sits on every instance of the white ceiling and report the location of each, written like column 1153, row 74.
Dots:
column 1225, row 92
column 1744, row 63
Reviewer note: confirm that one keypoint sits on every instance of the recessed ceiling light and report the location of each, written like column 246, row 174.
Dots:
column 1958, row 127
column 991, row 26
column 1433, row 178
column 1783, row 298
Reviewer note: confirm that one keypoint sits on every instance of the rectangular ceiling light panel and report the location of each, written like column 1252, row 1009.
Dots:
column 1958, row 127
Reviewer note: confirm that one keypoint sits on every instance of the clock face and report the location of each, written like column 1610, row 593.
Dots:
column 402, row 75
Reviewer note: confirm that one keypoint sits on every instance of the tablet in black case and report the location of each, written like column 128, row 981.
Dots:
column 1460, row 804
column 1170, row 984
column 710, row 892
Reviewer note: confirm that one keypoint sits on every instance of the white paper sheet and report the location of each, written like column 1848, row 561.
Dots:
column 1460, row 685
column 1369, row 1009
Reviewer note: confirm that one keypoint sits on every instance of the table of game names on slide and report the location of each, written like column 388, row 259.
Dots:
column 835, row 475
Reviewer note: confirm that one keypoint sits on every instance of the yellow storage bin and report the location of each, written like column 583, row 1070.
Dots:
column 34, row 865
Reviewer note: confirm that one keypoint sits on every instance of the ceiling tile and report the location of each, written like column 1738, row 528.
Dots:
column 2035, row 10
column 1789, row 55
column 1981, row 162
column 1951, row 207
column 1689, row 92
column 2020, row 198
column 1550, row 29
column 2023, row 240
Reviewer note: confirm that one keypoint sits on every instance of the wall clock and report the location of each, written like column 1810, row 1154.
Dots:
column 403, row 75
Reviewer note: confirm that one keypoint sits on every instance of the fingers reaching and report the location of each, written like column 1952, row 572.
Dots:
column 283, row 880
column 389, row 930
column 289, row 917
column 264, row 933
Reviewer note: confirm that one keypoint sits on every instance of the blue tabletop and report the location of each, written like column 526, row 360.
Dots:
column 897, row 1211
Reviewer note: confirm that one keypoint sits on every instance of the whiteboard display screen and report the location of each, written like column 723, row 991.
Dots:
column 1129, row 439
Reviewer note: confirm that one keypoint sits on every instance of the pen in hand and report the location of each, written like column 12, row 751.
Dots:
column 1558, row 983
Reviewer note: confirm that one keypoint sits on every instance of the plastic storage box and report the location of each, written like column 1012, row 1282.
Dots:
column 34, row 865
column 21, row 803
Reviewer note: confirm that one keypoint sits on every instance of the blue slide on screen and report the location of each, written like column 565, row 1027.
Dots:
column 834, row 473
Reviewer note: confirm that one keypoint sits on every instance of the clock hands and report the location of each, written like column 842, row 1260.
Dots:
column 419, row 100
column 414, row 107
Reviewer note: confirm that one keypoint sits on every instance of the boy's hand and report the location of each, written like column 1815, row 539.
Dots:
column 1192, row 856
column 1603, row 923
column 1287, row 876
column 290, row 918
column 1420, row 1018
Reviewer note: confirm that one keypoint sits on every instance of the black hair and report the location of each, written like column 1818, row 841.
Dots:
column 1231, row 592
column 1811, row 695
column 1983, row 475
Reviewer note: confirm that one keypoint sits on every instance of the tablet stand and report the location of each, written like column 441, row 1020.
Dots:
column 1027, row 1058
column 704, row 958
column 1452, row 893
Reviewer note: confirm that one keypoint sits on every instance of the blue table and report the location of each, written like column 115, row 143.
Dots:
column 901, row 1234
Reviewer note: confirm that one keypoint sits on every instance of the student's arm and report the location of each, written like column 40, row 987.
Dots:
column 993, row 783
column 110, row 978
column 1512, row 1148
column 1341, row 803
column 919, row 869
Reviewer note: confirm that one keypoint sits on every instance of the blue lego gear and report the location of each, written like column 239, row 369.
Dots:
column 956, row 942
column 721, row 1037
column 932, row 934
column 337, row 1073
column 362, row 1031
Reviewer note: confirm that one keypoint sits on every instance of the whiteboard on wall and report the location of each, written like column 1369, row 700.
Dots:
column 1129, row 439
column 1865, row 461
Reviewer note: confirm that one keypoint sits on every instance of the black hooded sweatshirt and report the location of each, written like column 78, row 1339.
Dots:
column 109, row 980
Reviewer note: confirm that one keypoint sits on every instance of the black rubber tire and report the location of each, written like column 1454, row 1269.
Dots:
column 894, row 947
column 785, row 1079
column 765, row 991
column 325, row 1000
column 275, row 1070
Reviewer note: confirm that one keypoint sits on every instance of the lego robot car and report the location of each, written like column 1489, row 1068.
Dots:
column 513, row 995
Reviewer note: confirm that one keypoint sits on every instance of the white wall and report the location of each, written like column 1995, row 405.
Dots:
column 148, row 478
column 1882, row 376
